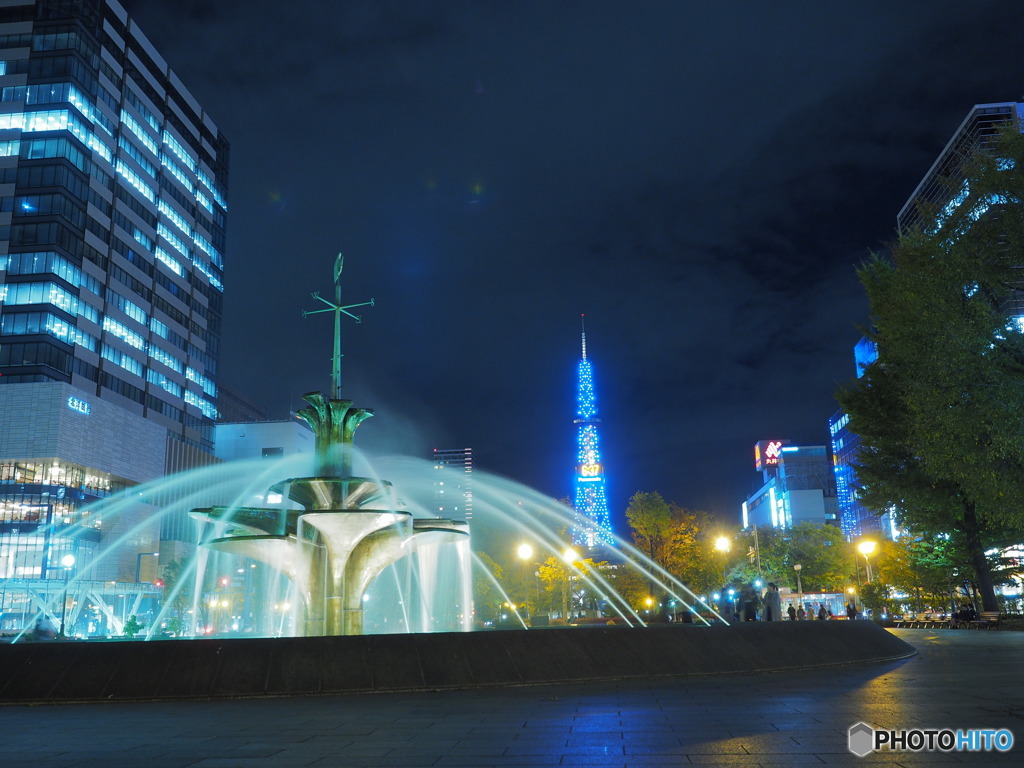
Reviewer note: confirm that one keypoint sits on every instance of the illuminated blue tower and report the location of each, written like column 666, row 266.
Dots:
column 592, row 527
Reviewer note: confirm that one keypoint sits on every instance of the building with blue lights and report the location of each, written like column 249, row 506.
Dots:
column 799, row 487
column 934, row 192
column 590, row 500
column 453, row 486
column 854, row 518
column 927, row 208
column 113, row 185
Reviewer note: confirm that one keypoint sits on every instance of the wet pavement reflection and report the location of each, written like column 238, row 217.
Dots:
column 959, row 679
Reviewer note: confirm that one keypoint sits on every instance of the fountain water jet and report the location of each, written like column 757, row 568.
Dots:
column 348, row 530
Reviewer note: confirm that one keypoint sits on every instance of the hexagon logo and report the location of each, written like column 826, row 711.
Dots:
column 861, row 739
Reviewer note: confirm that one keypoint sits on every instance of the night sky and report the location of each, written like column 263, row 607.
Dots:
column 700, row 181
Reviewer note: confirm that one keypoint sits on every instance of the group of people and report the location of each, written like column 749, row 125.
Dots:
column 966, row 614
column 747, row 607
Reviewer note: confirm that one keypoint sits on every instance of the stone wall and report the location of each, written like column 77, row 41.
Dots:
column 174, row 669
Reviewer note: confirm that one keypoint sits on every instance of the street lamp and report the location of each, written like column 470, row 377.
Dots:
column 570, row 556
column 799, row 587
column 866, row 548
column 68, row 561
column 722, row 544
column 525, row 553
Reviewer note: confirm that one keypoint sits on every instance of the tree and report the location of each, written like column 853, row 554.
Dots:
column 486, row 592
column 650, row 520
column 689, row 552
column 179, row 597
column 825, row 557
column 132, row 627
column 939, row 413
column 570, row 583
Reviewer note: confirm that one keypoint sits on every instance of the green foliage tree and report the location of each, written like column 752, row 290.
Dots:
column 825, row 557
column 568, row 585
column 939, row 413
column 678, row 539
column 772, row 547
column 689, row 552
column 486, row 594
column 132, row 627
column 650, row 520
column 176, row 592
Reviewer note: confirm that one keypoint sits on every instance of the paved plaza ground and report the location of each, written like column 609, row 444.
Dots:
column 959, row 680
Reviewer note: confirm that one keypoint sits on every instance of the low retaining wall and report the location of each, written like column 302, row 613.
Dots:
column 176, row 669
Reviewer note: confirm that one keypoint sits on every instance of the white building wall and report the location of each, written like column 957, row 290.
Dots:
column 807, row 506
column 250, row 440
column 40, row 421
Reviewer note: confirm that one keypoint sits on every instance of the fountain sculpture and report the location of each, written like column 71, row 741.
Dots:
column 349, row 528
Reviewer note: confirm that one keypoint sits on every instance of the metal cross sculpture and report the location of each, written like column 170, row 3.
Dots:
column 338, row 310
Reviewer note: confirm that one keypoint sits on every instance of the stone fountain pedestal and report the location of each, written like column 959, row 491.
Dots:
column 347, row 531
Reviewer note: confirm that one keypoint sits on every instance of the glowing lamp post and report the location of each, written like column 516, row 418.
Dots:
column 570, row 556
column 68, row 561
column 866, row 548
column 525, row 553
column 722, row 544
column 799, row 586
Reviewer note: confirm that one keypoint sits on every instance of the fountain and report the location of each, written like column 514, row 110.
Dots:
column 311, row 565
column 349, row 528
column 338, row 536
column 347, row 532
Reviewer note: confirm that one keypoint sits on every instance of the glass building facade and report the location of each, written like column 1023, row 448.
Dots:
column 453, row 488
column 798, row 487
column 113, row 187
column 854, row 518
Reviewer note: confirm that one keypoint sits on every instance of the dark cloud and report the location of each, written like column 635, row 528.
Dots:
column 700, row 180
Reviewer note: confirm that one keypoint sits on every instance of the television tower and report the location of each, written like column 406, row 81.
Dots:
column 592, row 528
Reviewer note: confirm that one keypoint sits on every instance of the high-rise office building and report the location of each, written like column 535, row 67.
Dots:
column 453, row 488
column 113, row 185
column 854, row 518
column 938, row 191
column 798, row 486
column 592, row 525
column 944, row 188
column 941, row 190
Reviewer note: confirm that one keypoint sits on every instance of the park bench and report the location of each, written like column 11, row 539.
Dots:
column 987, row 620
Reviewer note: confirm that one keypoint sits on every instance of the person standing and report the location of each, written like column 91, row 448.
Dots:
column 792, row 612
column 772, row 603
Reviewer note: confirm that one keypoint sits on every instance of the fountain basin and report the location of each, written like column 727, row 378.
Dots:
column 204, row 669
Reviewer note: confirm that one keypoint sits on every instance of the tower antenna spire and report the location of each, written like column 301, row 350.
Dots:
column 338, row 311
column 583, row 327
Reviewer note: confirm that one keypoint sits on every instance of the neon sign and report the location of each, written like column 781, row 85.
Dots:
column 79, row 406
column 767, row 453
